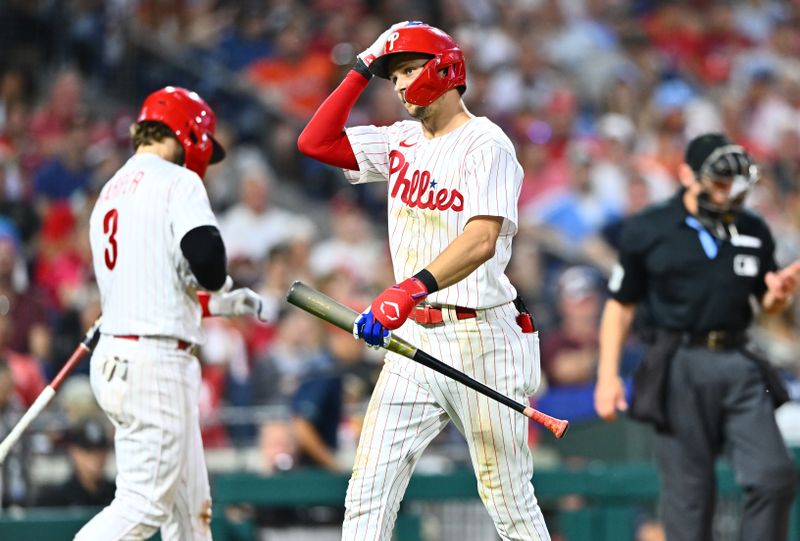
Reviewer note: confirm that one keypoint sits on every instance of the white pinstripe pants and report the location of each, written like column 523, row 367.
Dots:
column 152, row 398
column 411, row 404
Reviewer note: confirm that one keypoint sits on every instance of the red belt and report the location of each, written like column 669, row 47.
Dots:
column 430, row 315
column 181, row 344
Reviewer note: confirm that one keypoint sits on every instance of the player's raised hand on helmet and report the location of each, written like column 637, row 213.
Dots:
column 376, row 49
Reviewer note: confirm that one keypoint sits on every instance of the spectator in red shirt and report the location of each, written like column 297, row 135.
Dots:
column 26, row 371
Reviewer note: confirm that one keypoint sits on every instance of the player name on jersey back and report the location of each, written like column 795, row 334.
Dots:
column 135, row 230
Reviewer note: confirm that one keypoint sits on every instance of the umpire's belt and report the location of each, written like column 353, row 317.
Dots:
column 431, row 315
column 716, row 340
column 183, row 345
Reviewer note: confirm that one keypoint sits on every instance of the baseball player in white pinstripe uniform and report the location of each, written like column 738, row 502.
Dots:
column 155, row 243
column 453, row 184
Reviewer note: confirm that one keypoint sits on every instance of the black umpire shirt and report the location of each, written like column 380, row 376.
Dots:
column 73, row 493
column 663, row 264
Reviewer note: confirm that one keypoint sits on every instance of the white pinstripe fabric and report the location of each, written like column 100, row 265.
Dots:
column 157, row 203
column 478, row 162
column 412, row 404
column 162, row 480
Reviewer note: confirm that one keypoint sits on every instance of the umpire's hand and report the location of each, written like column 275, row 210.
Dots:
column 781, row 286
column 609, row 397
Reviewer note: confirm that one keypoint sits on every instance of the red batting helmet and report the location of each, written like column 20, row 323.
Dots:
column 421, row 38
column 191, row 120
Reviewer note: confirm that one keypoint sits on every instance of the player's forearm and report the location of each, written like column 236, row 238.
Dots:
column 309, row 441
column 475, row 246
column 324, row 138
column 614, row 327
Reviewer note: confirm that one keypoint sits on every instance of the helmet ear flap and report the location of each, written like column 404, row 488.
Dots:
column 432, row 83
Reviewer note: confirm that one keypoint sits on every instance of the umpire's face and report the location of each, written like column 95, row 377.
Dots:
column 718, row 190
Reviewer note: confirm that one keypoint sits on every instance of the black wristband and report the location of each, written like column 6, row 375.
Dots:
column 427, row 280
column 362, row 68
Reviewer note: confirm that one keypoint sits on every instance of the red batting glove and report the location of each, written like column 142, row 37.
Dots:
column 392, row 307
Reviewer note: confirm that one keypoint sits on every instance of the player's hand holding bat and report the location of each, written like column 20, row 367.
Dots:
column 388, row 312
column 340, row 315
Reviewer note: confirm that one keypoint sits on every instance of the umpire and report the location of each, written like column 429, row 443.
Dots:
column 693, row 263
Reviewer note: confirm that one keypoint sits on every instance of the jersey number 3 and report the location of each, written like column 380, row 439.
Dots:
column 110, row 228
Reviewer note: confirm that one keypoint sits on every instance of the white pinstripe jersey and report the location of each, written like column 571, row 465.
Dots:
column 136, row 226
column 435, row 186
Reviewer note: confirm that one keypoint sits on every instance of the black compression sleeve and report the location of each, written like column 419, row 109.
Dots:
column 362, row 69
column 428, row 280
column 204, row 250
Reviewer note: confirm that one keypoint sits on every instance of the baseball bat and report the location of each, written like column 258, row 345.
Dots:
column 48, row 392
column 332, row 311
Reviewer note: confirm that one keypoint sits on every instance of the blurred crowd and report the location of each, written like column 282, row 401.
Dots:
column 599, row 97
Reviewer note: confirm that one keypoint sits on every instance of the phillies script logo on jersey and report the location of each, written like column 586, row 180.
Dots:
column 420, row 190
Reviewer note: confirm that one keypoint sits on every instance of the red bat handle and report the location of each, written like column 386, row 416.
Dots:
column 558, row 427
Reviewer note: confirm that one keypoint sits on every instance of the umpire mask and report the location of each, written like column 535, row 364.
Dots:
column 716, row 161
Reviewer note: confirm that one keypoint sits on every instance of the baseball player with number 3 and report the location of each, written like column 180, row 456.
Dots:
column 160, row 265
column 453, row 184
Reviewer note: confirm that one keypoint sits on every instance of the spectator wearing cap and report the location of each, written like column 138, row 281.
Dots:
column 570, row 351
column 88, row 445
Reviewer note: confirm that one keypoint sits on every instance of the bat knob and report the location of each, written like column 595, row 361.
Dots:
column 560, row 428
column 296, row 284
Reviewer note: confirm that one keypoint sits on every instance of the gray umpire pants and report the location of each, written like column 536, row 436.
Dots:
column 717, row 404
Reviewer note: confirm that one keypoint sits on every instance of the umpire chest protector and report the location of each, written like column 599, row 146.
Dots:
column 688, row 279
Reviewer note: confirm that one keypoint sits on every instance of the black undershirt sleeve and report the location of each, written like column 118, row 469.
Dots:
column 204, row 250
